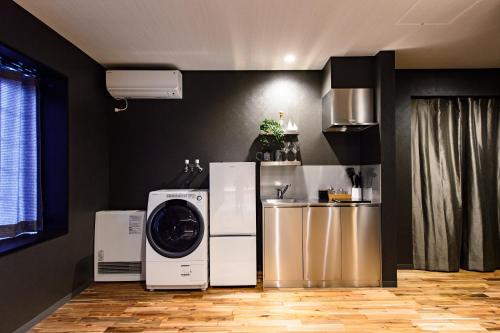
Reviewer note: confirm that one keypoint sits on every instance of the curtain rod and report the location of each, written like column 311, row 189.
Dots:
column 454, row 96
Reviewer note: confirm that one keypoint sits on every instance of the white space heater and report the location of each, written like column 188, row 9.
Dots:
column 119, row 246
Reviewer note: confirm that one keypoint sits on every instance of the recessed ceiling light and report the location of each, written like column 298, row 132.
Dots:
column 289, row 58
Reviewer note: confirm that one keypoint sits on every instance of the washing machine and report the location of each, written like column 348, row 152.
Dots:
column 177, row 240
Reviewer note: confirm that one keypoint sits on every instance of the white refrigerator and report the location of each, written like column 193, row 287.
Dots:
column 233, row 245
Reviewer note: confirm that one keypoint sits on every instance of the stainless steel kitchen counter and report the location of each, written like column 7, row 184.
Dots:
column 307, row 243
column 266, row 203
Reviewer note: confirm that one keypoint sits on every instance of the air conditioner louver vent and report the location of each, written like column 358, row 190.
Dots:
column 119, row 267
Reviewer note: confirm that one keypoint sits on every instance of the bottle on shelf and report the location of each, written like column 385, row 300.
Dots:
column 282, row 119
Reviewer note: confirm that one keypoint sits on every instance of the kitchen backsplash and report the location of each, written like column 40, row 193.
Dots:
column 308, row 179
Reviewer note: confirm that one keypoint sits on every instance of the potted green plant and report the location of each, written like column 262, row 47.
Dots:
column 271, row 135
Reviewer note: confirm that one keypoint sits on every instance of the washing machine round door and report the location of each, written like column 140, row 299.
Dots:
column 175, row 228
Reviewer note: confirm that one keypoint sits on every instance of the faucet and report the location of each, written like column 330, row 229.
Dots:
column 280, row 192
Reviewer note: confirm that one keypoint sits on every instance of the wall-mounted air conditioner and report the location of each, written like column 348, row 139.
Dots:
column 123, row 84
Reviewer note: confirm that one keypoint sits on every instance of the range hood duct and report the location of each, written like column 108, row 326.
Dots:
column 348, row 110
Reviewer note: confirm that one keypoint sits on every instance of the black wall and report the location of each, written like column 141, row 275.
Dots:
column 420, row 83
column 36, row 277
column 217, row 120
column 384, row 100
column 353, row 72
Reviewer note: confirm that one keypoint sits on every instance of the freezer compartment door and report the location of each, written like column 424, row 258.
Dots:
column 232, row 198
column 233, row 261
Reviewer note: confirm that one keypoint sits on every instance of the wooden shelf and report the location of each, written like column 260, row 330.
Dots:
column 280, row 163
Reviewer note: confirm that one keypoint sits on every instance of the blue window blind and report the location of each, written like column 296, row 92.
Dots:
column 19, row 155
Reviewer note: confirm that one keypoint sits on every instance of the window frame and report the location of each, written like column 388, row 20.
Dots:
column 52, row 94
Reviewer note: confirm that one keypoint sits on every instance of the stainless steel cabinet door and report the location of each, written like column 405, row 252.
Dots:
column 322, row 246
column 282, row 247
column 360, row 246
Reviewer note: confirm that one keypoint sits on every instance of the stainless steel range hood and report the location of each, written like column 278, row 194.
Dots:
column 348, row 110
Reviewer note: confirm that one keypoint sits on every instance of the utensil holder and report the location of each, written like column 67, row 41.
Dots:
column 367, row 194
column 356, row 194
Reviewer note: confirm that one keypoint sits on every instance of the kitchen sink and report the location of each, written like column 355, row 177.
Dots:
column 276, row 201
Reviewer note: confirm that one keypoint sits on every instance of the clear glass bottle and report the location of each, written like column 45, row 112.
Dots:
column 282, row 120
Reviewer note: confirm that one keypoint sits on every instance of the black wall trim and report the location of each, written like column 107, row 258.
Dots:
column 389, row 284
column 48, row 311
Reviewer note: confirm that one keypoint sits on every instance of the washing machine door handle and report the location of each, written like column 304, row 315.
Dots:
column 189, row 228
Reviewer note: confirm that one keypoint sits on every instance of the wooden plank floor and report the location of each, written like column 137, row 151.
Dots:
column 424, row 301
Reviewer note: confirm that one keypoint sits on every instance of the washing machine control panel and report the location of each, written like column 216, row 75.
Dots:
column 195, row 198
column 181, row 196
